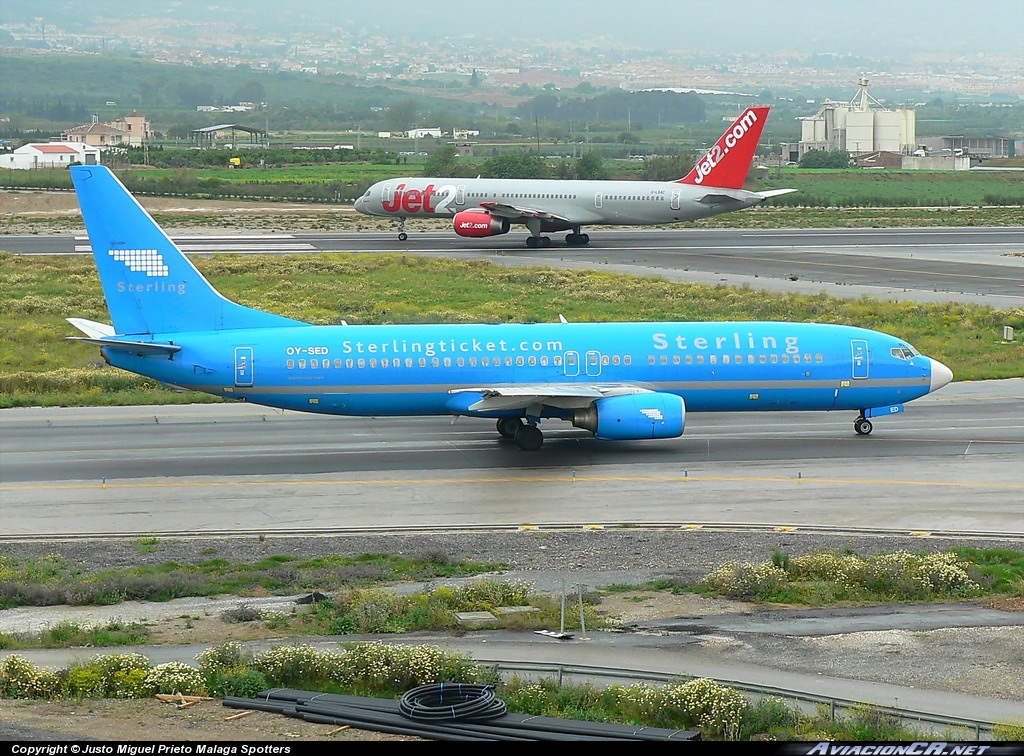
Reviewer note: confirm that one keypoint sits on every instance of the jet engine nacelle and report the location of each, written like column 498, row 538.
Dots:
column 634, row 416
column 477, row 223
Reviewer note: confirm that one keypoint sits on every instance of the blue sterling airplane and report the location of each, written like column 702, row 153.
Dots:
column 619, row 381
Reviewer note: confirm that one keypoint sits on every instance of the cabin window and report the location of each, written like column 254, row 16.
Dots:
column 408, row 362
column 664, row 359
column 485, row 361
column 349, row 363
column 775, row 359
column 627, row 360
column 713, row 359
column 650, row 359
column 557, row 360
column 291, row 364
column 337, row 362
column 819, row 358
column 616, row 359
column 373, row 362
column 544, row 360
column 519, row 361
column 447, row 361
column 302, row 364
column 531, row 361
column 762, row 359
column 384, row 362
column 700, row 359
column 508, row 361
column 785, row 359
column 689, row 359
column 472, row 361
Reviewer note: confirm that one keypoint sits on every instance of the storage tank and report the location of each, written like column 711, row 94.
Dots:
column 908, row 135
column 860, row 131
column 887, row 130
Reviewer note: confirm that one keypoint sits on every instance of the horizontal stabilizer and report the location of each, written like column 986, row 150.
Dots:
column 91, row 328
column 721, row 196
column 132, row 347
column 775, row 192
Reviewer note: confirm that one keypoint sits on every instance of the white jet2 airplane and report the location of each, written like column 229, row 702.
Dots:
column 483, row 207
column 619, row 381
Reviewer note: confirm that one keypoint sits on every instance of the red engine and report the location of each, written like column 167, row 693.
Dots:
column 479, row 223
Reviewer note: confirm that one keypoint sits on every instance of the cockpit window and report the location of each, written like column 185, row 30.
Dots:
column 904, row 352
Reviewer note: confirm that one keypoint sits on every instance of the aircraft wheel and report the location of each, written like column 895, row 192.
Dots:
column 545, row 241
column 529, row 437
column 863, row 426
column 509, row 426
column 532, row 242
column 403, row 236
column 584, row 239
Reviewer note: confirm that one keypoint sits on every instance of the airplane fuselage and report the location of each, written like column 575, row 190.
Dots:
column 580, row 202
column 414, row 369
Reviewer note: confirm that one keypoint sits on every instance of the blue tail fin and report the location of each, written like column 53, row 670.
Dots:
column 150, row 286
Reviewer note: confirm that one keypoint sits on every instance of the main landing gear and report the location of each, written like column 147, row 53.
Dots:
column 574, row 239
column 526, row 435
column 862, row 425
column 402, row 236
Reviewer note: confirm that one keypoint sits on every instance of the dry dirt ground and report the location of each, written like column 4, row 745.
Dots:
column 25, row 213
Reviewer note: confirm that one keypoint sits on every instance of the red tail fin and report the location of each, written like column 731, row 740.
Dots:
column 728, row 162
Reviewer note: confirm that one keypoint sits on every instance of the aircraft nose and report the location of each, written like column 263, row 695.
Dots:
column 941, row 375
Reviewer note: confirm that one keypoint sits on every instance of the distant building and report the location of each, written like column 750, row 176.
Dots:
column 856, row 127
column 136, row 126
column 50, row 155
column 421, row 133
column 97, row 134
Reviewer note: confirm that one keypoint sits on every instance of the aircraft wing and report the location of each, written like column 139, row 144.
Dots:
column 513, row 213
column 561, row 395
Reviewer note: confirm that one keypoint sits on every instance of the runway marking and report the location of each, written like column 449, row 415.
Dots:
column 688, row 478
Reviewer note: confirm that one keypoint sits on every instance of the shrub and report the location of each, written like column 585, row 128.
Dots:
column 20, row 678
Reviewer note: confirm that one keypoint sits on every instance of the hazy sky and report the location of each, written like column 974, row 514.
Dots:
column 860, row 27
column 868, row 28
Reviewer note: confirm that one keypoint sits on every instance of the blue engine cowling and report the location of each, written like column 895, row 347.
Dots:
column 634, row 416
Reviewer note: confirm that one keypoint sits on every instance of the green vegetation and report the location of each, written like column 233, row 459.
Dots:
column 717, row 711
column 39, row 367
column 376, row 669
column 360, row 606
column 51, row 580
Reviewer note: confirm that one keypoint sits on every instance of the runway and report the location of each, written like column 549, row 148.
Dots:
column 972, row 265
column 949, row 464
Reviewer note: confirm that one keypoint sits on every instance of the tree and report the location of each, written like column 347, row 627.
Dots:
column 402, row 115
column 825, row 159
column 516, row 165
column 591, row 166
column 669, row 168
column 443, row 163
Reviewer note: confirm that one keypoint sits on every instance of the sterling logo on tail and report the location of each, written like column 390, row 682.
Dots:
column 147, row 261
